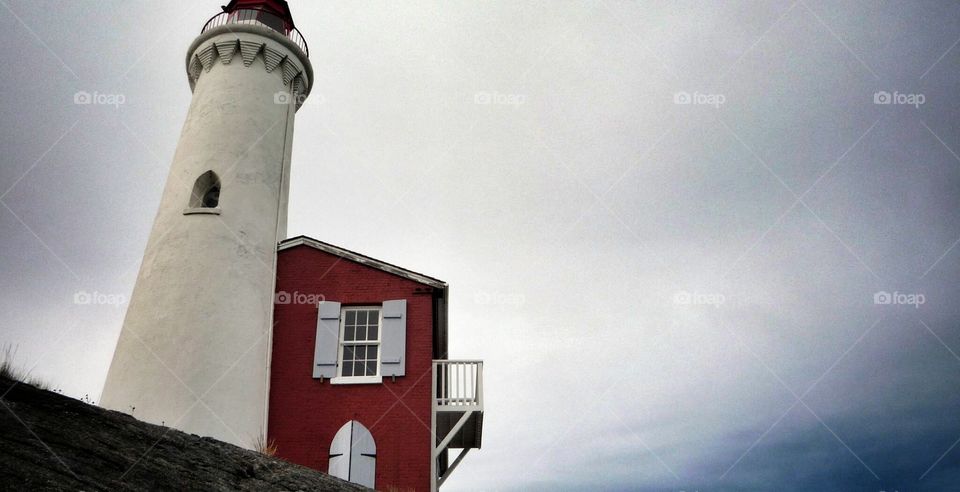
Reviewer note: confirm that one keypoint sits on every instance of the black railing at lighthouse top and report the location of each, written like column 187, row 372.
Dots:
column 259, row 17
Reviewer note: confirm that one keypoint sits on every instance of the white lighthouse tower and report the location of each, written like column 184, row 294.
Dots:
column 195, row 346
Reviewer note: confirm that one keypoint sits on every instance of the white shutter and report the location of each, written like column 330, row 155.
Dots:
column 340, row 452
column 353, row 455
column 328, row 340
column 393, row 344
column 363, row 456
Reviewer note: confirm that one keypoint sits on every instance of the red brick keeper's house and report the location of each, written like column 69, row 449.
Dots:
column 360, row 383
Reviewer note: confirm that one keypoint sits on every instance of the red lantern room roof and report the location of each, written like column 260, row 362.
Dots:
column 278, row 7
column 272, row 14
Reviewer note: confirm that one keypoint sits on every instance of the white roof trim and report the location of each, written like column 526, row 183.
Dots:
column 361, row 259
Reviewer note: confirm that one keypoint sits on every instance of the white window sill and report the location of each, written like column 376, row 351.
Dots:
column 200, row 210
column 357, row 380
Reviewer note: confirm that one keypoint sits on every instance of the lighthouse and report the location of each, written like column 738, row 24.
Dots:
column 194, row 350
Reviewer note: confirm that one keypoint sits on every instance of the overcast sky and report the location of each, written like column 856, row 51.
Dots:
column 668, row 227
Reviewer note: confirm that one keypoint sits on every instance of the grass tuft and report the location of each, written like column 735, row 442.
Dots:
column 10, row 370
column 262, row 446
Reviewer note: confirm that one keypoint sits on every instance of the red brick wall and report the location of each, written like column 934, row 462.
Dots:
column 305, row 414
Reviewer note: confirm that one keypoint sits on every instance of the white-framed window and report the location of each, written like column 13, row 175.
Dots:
column 358, row 358
column 360, row 344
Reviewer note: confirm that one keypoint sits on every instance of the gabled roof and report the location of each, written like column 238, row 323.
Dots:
column 439, row 298
column 361, row 259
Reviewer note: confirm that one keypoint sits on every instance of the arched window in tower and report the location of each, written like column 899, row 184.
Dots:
column 353, row 454
column 206, row 191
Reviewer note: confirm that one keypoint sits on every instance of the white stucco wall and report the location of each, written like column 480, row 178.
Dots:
column 194, row 349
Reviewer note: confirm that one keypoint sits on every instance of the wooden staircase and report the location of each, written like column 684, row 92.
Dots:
column 457, row 417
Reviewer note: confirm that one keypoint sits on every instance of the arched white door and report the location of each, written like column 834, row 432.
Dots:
column 353, row 454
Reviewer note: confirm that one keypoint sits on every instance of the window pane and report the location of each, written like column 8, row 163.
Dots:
column 359, row 355
column 273, row 21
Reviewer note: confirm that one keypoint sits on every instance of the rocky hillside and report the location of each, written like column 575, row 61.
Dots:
column 51, row 442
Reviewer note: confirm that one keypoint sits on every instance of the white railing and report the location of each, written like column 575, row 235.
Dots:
column 458, row 383
column 260, row 17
